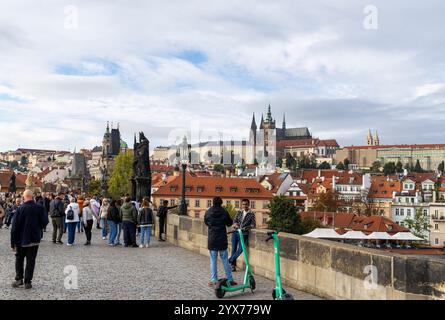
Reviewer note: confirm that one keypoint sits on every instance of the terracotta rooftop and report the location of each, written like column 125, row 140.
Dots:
column 215, row 186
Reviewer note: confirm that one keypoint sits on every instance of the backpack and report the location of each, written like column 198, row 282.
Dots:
column 70, row 214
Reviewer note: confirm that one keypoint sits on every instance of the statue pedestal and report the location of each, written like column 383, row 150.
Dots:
column 143, row 187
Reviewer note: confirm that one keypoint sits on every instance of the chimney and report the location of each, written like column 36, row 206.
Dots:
column 333, row 183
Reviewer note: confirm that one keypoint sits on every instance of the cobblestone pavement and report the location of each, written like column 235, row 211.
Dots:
column 160, row 272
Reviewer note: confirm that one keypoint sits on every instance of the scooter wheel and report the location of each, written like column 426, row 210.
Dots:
column 274, row 294
column 252, row 283
column 287, row 296
column 220, row 293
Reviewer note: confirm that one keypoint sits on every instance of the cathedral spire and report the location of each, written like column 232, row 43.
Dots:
column 284, row 121
column 376, row 139
column 370, row 139
column 253, row 125
column 269, row 115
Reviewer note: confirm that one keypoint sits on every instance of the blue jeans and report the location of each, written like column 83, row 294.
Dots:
column 103, row 225
column 119, row 229
column 213, row 265
column 113, row 231
column 71, row 227
column 236, row 248
column 145, row 232
column 80, row 226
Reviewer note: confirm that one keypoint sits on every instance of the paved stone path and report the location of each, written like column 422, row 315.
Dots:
column 162, row 271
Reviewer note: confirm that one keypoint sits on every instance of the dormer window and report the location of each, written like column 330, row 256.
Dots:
column 188, row 188
column 233, row 189
column 218, row 189
column 200, row 188
column 173, row 188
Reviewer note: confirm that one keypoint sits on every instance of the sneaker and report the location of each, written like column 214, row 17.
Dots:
column 118, row 244
column 211, row 283
column 135, row 246
column 141, row 246
column 69, row 244
column 59, row 242
column 87, row 243
column 146, row 245
column 17, row 283
column 54, row 241
column 111, row 244
column 28, row 286
column 104, row 238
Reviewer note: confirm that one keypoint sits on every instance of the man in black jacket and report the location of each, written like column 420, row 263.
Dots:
column 57, row 213
column 244, row 219
column 162, row 214
column 218, row 219
column 26, row 230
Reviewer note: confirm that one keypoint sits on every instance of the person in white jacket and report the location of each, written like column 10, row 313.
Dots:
column 87, row 220
column 71, row 219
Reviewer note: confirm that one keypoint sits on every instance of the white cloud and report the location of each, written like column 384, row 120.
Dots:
column 286, row 53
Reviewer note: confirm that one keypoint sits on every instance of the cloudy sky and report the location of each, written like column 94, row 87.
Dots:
column 67, row 67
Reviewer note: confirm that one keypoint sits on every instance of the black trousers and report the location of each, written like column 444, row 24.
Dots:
column 161, row 227
column 30, row 253
column 129, row 229
column 88, row 228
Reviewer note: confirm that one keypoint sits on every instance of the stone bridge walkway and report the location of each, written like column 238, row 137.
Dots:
column 162, row 271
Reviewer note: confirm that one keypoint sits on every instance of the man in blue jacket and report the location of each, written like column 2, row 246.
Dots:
column 27, row 225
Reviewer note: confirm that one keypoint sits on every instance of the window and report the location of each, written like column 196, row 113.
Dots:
column 173, row 188
column 237, row 204
column 408, row 212
column 436, row 227
column 436, row 241
column 209, row 203
column 228, row 202
column 265, row 204
column 252, row 204
column 197, row 204
column 218, row 189
column 402, row 224
column 197, row 214
column 412, row 200
column 200, row 188
column 402, row 212
column 233, row 189
column 425, row 212
column 172, row 202
column 397, row 211
column 187, row 202
column 265, row 220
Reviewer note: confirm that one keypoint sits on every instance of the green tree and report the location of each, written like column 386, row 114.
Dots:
column 419, row 225
column 231, row 210
column 119, row 183
column 340, row 166
column 418, row 167
column 94, row 188
column 307, row 162
column 327, row 202
column 283, row 215
column 23, row 161
column 218, row 168
column 309, row 225
column 441, row 167
column 399, row 167
column 324, row 165
column 376, row 166
column 291, row 163
column 14, row 164
column 346, row 163
column 389, row 168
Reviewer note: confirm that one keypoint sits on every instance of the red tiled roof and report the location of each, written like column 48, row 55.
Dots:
column 229, row 188
column 411, row 146
column 384, row 189
column 307, row 143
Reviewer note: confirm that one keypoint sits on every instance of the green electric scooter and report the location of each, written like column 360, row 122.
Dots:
column 278, row 293
column 223, row 285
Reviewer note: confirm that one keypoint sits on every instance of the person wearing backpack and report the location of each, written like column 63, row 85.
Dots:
column 87, row 220
column 72, row 219
column 56, row 211
column 129, row 221
column 145, row 222
column 113, row 219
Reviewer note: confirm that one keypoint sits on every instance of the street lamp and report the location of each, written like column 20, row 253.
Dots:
column 184, row 150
